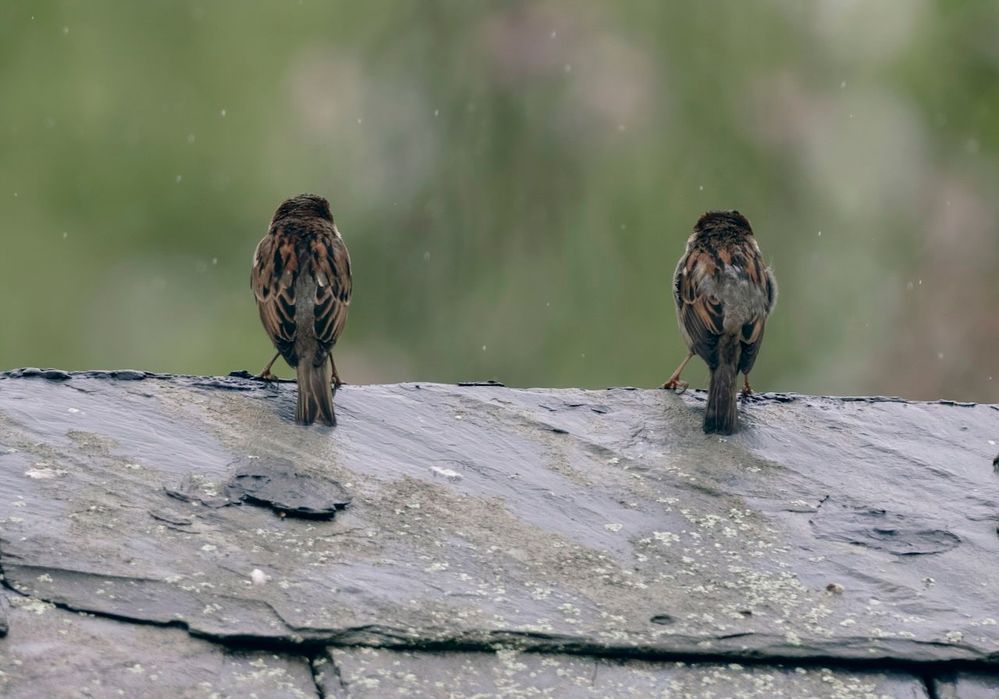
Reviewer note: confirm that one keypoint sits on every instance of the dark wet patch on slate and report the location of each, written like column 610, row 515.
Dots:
column 275, row 483
column 487, row 382
column 881, row 530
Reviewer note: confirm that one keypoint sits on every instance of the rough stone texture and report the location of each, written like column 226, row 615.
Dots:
column 964, row 686
column 856, row 533
column 54, row 653
column 369, row 673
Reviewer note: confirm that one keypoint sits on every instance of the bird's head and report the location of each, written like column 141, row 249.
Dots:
column 304, row 206
column 723, row 222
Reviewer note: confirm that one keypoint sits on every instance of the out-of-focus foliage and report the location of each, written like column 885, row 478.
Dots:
column 515, row 181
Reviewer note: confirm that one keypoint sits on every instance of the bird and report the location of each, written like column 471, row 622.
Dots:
column 302, row 285
column 724, row 291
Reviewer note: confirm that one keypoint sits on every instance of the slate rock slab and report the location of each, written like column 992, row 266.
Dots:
column 968, row 686
column 277, row 484
column 370, row 673
column 54, row 653
column 599, row 523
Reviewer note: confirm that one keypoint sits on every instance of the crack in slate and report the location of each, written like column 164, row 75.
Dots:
column 389, row 638
column 338, row 674
column 930, row 685
column 317, row 675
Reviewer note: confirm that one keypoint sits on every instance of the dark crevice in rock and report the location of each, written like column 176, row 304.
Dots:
column 316, row 664
column 748, row 658
column 315, row 650
column 309, row 648
column 930, row 685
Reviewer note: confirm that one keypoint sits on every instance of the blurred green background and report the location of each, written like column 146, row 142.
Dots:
column 515, row 182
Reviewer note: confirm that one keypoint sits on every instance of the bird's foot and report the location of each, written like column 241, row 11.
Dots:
column 266, row 376
column 676, row 384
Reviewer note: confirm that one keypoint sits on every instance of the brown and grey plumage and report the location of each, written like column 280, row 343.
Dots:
column 301, row 280
column 724, row 292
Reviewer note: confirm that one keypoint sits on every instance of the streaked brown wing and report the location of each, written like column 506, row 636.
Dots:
column 759, row 275
column 272, row 280
column 333, row 286
column 701, row 315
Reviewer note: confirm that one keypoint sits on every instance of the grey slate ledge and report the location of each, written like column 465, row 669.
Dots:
column 574, row 531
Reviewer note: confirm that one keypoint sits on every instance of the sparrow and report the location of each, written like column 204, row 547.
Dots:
column 723, row 292
column 301, row 281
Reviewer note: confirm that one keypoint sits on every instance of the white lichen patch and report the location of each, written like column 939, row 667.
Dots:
column 448, row 473
column 31, row 604
column 40, row 472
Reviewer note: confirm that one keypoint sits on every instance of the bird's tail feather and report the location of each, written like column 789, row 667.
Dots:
column 720, row 416
column 315, row 394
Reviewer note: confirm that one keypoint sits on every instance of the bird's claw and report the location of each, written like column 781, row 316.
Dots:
column 265, row 376
column 676, row 385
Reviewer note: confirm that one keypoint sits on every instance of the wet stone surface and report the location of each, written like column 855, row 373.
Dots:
column 53, row 653
column 968, row 686
column 370, row 673
column 854, row 532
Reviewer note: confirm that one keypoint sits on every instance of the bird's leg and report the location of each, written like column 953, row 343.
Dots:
column 337, row 383
column 747, row 390
column 265, row 374
column 674, row 381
